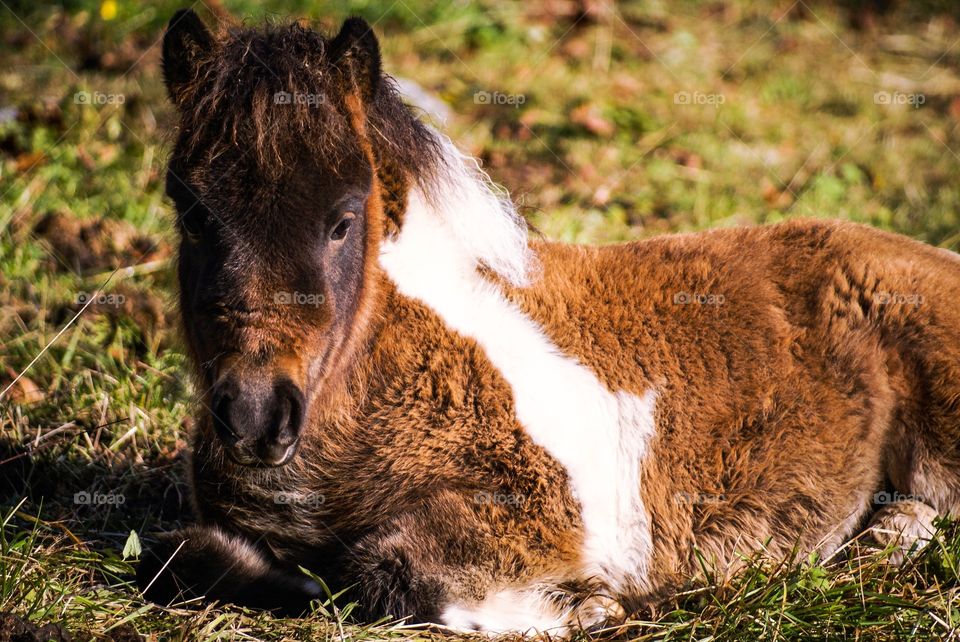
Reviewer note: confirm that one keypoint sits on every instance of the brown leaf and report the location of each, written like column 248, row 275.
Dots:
column 775, row 197
column 28, row 160
column 25, row 390
column 588, row 116
column 955, row 108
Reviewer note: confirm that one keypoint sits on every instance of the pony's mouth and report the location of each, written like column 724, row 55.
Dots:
column 261, row 456
column 256, row 453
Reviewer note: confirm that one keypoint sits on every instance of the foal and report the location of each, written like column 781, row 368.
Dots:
column 406, row 396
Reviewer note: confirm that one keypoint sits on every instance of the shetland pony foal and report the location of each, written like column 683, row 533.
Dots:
column 469, row 428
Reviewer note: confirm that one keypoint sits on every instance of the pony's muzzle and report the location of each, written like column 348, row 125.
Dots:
column 258, row 421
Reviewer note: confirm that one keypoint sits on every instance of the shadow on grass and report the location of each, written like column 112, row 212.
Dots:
column 97, row 503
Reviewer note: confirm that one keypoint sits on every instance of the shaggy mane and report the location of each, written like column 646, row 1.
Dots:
column 233, row 103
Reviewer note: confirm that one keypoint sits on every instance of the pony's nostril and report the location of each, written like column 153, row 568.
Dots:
column 289, row 413
column 221, row 416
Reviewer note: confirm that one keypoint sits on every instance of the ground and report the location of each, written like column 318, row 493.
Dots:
column 606, row 123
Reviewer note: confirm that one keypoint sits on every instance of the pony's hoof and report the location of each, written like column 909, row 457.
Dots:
column 906, row 527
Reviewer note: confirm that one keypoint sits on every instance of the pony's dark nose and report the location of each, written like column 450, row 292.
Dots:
column 258, row 421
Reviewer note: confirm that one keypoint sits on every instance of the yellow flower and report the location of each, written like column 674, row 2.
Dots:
column 108, row 9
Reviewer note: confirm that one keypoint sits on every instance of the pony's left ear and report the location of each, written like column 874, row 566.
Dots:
column 356, row 51
column 186, row 41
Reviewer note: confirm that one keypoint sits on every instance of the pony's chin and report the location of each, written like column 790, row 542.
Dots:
column 269, row 457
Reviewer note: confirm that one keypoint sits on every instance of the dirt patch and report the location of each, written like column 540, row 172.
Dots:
column 16, row 629
column 86, row 246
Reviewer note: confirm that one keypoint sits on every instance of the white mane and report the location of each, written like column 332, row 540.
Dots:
column 479, row 215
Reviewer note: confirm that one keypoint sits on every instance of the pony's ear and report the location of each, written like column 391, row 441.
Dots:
column 356, row 51
column 185, row 43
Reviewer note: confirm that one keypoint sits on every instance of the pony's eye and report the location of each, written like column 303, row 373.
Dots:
column 193, row 221
column 342, row 227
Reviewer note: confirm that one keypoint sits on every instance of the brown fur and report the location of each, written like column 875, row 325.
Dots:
column 805, row 388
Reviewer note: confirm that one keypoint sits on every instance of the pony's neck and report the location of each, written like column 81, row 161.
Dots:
column 456, row 220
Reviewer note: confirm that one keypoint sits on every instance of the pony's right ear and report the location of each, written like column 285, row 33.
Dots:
column 185, row 43
column 356, row 50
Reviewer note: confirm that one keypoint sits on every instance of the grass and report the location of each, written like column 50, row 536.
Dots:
column 611, row 124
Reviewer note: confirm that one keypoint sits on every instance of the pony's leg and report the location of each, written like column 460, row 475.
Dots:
column 201, row 561
column 906, row 526
column 446, row 565
column 532, row 610
column 922, row 337
column 923, row 461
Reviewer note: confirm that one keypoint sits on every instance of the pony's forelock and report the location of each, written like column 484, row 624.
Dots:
column 274, row 92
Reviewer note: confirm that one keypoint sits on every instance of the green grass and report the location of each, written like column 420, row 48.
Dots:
column 786, row 117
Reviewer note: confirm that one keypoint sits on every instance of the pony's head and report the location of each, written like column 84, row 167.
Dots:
column 295, row 159
column 292, row 161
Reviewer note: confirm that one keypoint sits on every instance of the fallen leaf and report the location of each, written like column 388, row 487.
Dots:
column 588, row 116
column 24, row 391
column 28, row 160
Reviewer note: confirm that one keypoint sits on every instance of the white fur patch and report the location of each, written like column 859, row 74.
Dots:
column 508, row 611
column 599, row 436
